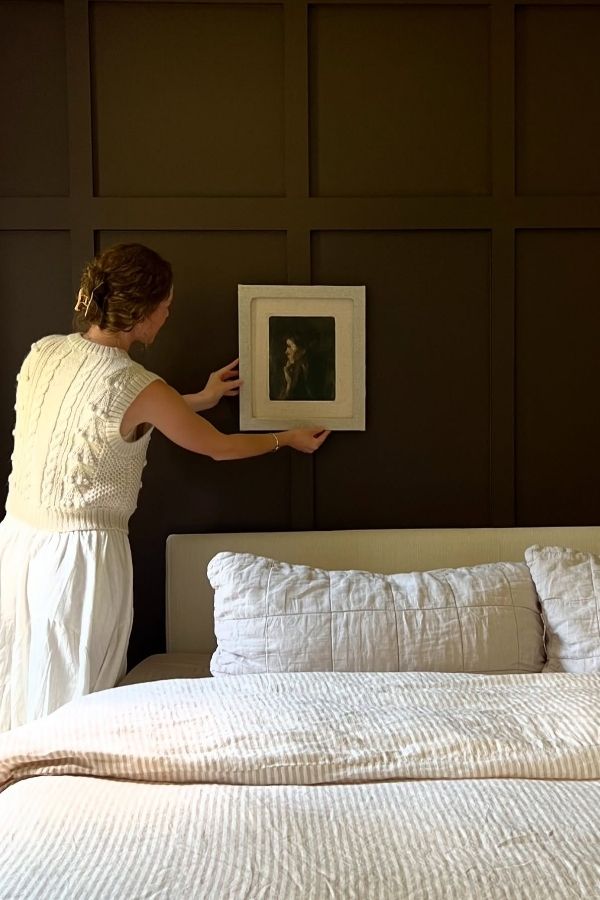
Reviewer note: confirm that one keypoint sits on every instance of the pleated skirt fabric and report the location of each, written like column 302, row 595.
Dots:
column 66, row 611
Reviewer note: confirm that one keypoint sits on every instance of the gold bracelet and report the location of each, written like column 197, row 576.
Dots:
column 276, row 447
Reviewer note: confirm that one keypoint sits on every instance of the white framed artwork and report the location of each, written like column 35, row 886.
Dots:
column 302, row 356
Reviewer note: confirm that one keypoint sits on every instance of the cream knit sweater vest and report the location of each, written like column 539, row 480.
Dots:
column 72, row 470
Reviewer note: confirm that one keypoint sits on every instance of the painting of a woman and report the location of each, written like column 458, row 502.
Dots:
column 302, row 358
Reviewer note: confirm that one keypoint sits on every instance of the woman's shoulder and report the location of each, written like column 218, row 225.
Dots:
column 42, row 347
column 50, row 340
column 137, row 370
column 131, row 377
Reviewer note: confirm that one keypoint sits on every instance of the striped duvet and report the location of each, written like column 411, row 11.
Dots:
column 309, row 785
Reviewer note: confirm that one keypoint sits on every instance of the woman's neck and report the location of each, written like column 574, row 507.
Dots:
column 121, row 339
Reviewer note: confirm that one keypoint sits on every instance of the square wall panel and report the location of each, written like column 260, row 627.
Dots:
column 187, row 99
column 35, row 290
column 424, row 459
column 37, row 299
column 557, row 377
column 558, row 99
column 399, row 99
column 33, row 98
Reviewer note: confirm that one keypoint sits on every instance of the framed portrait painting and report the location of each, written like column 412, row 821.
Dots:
column 302, row 356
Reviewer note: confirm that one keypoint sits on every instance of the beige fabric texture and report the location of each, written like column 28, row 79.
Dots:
column 568, row 585
column 305, row 786
column 168, row 665
column 276, row 617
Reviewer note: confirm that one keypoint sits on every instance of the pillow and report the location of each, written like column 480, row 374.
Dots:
column 276, row 617
column 568, row 585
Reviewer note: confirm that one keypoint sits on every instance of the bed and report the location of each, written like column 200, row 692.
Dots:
column 286, row 782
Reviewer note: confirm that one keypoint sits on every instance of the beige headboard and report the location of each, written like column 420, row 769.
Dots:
column 189, row 601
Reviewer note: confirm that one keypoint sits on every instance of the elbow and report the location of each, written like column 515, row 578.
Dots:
column 222, row 452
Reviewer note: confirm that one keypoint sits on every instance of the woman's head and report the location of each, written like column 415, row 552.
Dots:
column 295, row 348
column 125, row 287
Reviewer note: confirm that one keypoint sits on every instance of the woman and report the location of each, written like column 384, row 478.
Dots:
column 296, row 372
column 85, row 413
column 305, row 374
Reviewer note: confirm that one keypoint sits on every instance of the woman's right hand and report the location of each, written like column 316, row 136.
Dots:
column 306, row 440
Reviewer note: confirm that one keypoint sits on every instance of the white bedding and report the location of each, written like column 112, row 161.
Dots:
column 309, row 785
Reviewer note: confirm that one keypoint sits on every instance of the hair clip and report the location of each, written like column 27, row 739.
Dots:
column 83, row 302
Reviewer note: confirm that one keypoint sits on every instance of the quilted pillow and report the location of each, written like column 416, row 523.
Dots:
column 568, row 585
column 276, row 617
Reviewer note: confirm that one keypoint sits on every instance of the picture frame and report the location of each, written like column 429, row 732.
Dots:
column 302, row 356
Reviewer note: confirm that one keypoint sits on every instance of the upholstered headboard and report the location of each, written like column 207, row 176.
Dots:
column 189, row 599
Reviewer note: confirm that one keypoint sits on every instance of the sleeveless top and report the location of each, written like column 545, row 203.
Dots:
column 72, row 470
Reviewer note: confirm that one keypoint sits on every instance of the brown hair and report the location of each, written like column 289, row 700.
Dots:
column 124, row 284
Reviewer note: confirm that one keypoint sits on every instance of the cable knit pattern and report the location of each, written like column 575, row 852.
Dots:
column 72, row 470
column 33, row 381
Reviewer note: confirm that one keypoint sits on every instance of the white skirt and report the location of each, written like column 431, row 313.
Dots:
column 66, row 610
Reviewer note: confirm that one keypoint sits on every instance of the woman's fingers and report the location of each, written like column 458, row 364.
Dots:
column 322, row 436
column 227, row 370
column 317, row 438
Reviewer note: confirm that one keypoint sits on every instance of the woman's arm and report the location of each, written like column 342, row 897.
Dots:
column 162, row 406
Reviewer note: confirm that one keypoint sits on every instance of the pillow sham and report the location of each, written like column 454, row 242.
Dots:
column 277, row 617
column 568, row 585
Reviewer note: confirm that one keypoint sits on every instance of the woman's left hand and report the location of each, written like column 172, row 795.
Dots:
column 222, row 383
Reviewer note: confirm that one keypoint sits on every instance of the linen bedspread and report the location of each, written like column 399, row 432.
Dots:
column 309, row 785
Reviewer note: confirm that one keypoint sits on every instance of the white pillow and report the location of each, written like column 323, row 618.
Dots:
column 568, row 585
column 275, row 617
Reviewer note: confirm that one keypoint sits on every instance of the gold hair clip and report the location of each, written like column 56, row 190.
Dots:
column 83, row 302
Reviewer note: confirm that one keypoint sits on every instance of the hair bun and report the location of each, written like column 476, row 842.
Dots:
column 121, row 286
column 100, row 292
